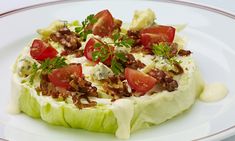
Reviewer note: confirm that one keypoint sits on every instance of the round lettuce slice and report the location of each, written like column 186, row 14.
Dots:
column 122, row 116
column 98, row 119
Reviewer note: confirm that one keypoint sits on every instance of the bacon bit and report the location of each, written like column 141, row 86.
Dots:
column 183, row 52
column 165, row 81
column 77, row 102
column 179, row 69
column 159, row 75
column 137, row 49
column 132, row 63
column 135, row 35
column 48, row 89
column 115, row 87
column 65, row 53
column 66, row 38
column 116, row 79
column 79, row 53
column 141, row 49
column 81, row 88
column 170, row 84
column 173, row 50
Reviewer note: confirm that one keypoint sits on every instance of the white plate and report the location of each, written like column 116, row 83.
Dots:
column 210, row 36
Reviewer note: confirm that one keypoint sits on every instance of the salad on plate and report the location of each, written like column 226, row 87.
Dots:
column 104, row 75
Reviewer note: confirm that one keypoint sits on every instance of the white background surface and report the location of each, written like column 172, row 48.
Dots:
column 225, row 5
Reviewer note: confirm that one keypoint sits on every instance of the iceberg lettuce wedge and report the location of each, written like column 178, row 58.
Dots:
column 146, row 111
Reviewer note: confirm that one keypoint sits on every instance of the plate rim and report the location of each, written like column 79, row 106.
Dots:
column 222, row 134
column 179, row 2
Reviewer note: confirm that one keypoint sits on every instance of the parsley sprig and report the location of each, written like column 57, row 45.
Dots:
column 117, row 61
column 103, row 51
column 161, row 50
column 46, row 67
column 81, row 30
column 122, row 40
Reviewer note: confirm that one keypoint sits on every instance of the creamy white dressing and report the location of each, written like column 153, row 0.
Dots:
column 213, row 92
column 123, row 110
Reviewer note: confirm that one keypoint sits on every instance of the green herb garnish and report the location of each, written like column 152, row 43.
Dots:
column 46, row 67
column 103, row 53
column 121, row 56
column 122, row 40
column 117, row 61
column 81, row 30
column 161, row 50
column 116, row 67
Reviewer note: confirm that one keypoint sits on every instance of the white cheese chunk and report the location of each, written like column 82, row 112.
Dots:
column 101, row 71
column 142, row 19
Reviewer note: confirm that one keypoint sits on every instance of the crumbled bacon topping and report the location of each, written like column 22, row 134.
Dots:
column 165, row 81
column 116, row 87
column 66, row 38
column 48, row 89
column 183, row 52
column 173, row 49
column 133, row 63
column 81, row 89
column 135, row 35
column 77, row 101
column 79, row 84
column 78, row 53
column 178, row 69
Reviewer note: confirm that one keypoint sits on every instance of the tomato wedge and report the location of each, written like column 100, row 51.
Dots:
column 104, row 25
column 41, row 50
column 60, row 77
column 89, row 49
column 157, row 34
column 139, row 81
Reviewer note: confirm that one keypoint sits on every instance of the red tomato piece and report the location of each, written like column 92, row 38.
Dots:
column 139, row 81
column 41, row 50
column 60, row 77
column 49, row 52
column 89, row 49
column 157, row 34
column 104, row 25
